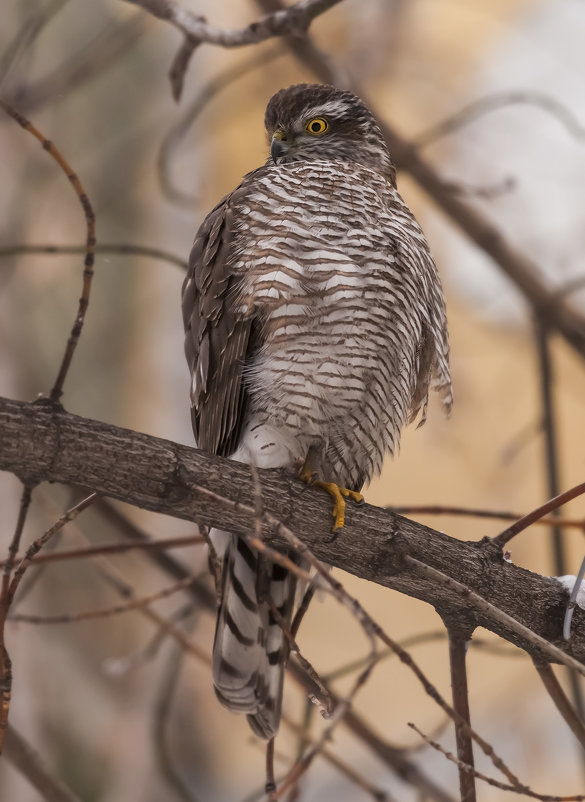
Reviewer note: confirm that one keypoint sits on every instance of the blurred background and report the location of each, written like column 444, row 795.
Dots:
column 118, row 716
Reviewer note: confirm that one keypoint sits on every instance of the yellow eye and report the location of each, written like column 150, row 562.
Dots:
column 317, row 126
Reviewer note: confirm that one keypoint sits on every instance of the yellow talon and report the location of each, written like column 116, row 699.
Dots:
column 308, row 475
column 339, row 495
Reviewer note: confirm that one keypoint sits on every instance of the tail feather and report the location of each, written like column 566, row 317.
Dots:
column 250, row 649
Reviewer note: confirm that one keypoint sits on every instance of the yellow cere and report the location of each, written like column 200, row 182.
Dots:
column 317, row 126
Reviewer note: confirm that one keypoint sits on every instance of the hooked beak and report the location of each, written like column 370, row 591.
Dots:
column 278, row 147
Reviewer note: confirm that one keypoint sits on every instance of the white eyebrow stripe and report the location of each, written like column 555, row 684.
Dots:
column 332, row 107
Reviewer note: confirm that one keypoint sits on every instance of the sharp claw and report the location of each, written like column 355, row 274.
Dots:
column 339, row 494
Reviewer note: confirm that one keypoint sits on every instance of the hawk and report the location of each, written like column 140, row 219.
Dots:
column 315, row 326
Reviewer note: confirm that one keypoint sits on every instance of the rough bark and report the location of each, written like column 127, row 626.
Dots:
column 39, row 442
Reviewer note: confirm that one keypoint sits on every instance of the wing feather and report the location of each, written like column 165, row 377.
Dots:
column 218, row 339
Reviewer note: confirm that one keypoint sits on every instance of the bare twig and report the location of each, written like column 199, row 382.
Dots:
column 57, row 390
column 515, row 787
column 499, row 100
column 325, row 700
column 458, row 640
column 116, row 548
column 28, row 32
column 292, row 21
column 359, row 780
column 563, row 705
column 551, row 460
column 527, row 520
column 31, row 765
column 8, row 592
column 301, row 766
column 106, row 612
column 162, row 711
column 195, row 108
column 123, row 249
column 89, row 62
column 473, row 512
column 270, row 785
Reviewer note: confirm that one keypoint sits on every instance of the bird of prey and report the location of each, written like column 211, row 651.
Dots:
column 315, row 327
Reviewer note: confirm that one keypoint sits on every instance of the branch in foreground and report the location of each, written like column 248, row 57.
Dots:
column 39, row 442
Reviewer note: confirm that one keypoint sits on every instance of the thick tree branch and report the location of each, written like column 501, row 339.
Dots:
column 38, row 442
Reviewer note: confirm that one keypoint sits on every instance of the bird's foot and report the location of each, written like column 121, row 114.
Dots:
column 339, row 495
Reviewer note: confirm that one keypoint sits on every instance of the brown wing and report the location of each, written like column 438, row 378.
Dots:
column 217, row 339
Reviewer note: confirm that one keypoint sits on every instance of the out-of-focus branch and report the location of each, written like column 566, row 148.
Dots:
column 28, row 762
column 499, row 100
column 42, row 443
column 89, row 215
column 563, row 705
column 294, row 20
column 474, row 512
column 123, row 248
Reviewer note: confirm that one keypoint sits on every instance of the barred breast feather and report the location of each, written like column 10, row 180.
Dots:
column 353, row 326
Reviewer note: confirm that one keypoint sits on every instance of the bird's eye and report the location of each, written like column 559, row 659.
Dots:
column 317, row 126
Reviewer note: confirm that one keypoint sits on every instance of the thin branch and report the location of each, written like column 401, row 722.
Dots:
column 457, row 653
column 301, row 766
column 192, row 112
column 527, row 520
column 563, row 705
column 551, row 460
column 89, row 62
column 292, row 21
column 377, row 793
column 9, row 590
column 30, row 763
column 116, row 548
column 70, row 515
column 516, row 787
column 9, row 563
column 162, row 712
column 72, row 177
column 106, row 612
column 474, row 512
column 499, row 100
column 121, row 248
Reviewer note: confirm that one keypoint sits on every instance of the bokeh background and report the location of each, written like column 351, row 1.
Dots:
column 93, row 77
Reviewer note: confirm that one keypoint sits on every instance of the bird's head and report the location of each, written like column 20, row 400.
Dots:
column 316, row 122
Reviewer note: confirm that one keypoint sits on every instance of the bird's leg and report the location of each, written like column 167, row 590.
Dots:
column 310, row 476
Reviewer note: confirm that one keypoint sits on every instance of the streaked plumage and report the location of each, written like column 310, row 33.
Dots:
column 315, row 321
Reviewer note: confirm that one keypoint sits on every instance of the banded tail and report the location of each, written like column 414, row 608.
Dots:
column 250, row 649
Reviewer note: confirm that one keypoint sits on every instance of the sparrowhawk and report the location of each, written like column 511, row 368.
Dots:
column 315, row 326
